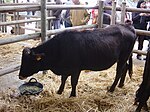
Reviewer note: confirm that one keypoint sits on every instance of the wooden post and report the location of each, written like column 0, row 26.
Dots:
column 38, row 13
column 43, row 23
column 4, row 29
column 19, row 29
column 50, row 22
column 0, row 16
column 113, row 13
column 0, row 21
column 43, row 20
column 49, row 25
column 3, row 20
column 49, row 15
column 100, row 13
column 15, row 18
column 123, row 11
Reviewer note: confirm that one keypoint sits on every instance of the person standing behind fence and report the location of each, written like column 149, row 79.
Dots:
column 148, row 26
column 57, row 14
column 108, row 3
column 65, row 15
column 79, row 17
column 140, row 22
column 106, row 14
column 28, row 12
column 66, row 18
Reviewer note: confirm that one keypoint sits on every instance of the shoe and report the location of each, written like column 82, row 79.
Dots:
column 139, row 57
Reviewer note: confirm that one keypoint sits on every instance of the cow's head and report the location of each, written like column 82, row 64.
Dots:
column 30, row 63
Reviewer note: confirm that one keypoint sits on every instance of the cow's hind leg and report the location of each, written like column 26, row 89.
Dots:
column 118, row 75
column 121, row 83
column 128, row 67
column 120, row 66
column 74, row 82
column 63, row 80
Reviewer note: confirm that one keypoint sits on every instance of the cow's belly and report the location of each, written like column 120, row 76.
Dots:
column 98, row 65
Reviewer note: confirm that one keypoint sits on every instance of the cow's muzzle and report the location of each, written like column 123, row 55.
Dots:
column 22, row 78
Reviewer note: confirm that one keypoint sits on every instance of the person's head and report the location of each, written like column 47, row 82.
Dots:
column 58, row 1
column 108, row 1
column 141, row 4
column 86, row 3
column 76, row 1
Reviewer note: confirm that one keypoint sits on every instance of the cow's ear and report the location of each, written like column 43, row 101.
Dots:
column 38, row 57
column 27, row 51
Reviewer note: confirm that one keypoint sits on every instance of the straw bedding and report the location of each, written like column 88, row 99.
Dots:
column 92, row 95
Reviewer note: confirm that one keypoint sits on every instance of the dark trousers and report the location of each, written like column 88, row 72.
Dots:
column 141, row 39
column 67, row 24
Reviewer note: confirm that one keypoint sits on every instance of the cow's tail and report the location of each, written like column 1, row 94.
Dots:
column 130, row 66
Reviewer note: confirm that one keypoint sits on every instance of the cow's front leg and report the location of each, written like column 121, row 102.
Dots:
column 74, row 82
column 63, row 81
column 138, row 109
column 142, row 104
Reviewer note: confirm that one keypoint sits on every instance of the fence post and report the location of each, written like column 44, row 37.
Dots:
column 43, row 23
column 0, row 15
column 100, row 13
column 43, row 20
column 113, row 13
column 49, row 22
column 123, row 11
column 4, row 29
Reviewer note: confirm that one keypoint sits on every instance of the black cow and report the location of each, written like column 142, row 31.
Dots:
column 143, row 93
column 70, row 52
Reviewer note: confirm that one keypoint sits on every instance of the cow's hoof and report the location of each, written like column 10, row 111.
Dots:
column 120, row 85
column 136, row 101
column 59, row 92
column 72, row 96
column 109, row 89
column 145, row 107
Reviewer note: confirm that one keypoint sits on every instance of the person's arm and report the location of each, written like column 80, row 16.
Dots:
column 108, row 15
column 87, row 17
column 135, row 16
column 148, row 18
column 57, row 13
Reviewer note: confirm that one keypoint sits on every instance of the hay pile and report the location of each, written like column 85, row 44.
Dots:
column 11, row 52
column 92, row 94
column 92, row 87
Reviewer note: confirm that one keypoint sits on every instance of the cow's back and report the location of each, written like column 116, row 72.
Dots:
column 90, row 49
